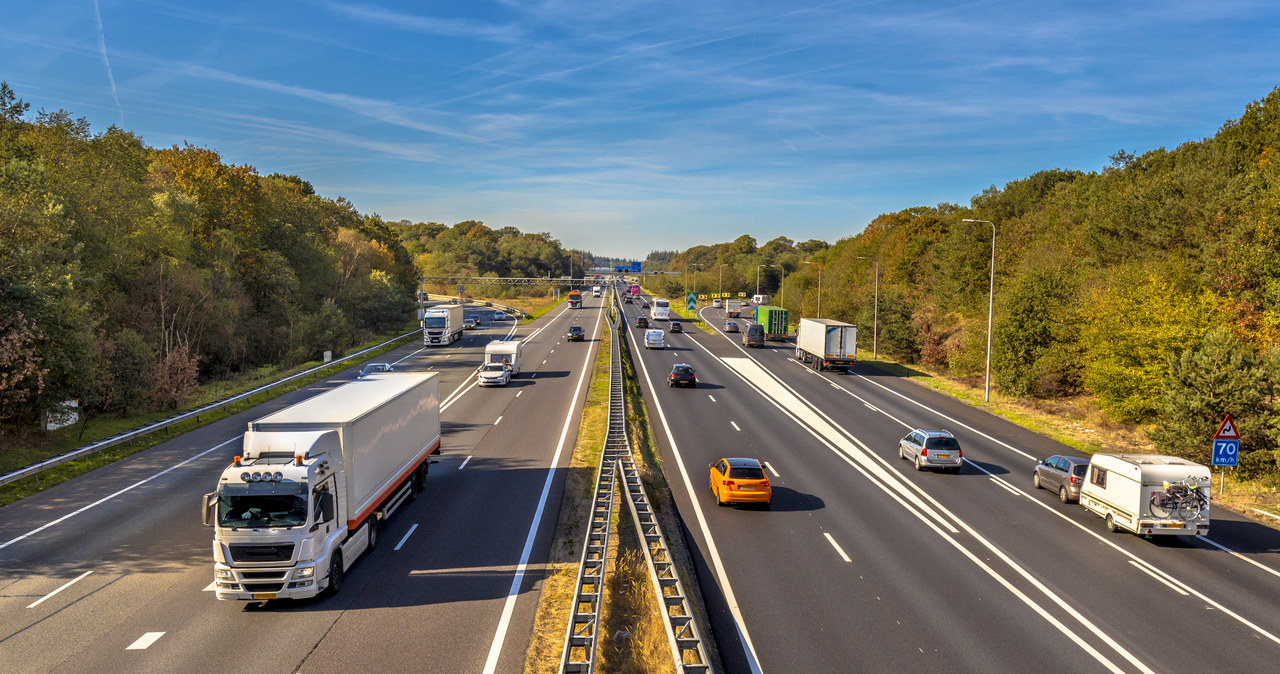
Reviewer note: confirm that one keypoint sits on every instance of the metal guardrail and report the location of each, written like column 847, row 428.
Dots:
column 100, row 445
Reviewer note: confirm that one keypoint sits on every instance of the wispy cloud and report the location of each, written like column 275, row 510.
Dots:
column 423, row 24
column 102, row 46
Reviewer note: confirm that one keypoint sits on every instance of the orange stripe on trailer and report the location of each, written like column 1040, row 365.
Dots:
column 430, row 449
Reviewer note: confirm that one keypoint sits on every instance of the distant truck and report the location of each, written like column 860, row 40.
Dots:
column 314, row 481
column 596, row 290
column 760, row 300
column 822, row 343
column 442, row 325
column 774, row 321
column 507, row 353
column 1148, row 494
column 575, row 299
column 733, row 309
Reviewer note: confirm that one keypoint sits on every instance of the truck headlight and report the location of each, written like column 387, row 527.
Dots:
column 223, row 574
column 304, row 572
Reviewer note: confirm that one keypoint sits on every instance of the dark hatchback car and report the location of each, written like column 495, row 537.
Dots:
column 682, row 375
column 575, row 334
column 676, row 327
column 642, row 322
column 1061, row 474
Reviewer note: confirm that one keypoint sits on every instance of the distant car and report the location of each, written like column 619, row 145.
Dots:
column 626, row 299
column 676, row 327
column 653, row 339
column 371, row 368
column 932, row 449
column 682, row 375
column 499, row 315
column 1061, row 474
column 494, row 374
column 717, row 304
column 470, row 323
column 642, row 322
column 740, row 481
column 575, row 334
column 730, row 326
column 644, row 304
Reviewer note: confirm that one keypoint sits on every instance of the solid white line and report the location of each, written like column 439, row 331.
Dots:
column 64, row 586
column 104, row 499
column 735, row 427
column 499, row 420
column 836, row 545
column 407, row 534
column 464, row 462
column 1005, row 486
column 145, row 641
column 495, row 650
column 1236, row 554
column 1151, row 573
column 1265, row 513
column 771, row 470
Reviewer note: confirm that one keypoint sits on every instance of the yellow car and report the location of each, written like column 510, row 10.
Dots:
column 740, row 481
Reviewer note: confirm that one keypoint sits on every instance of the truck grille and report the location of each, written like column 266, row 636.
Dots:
column 263, row 587
column 242, row 552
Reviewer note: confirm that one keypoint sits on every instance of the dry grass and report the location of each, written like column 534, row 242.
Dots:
column 633, row 636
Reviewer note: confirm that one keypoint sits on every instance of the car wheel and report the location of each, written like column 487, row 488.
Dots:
column 901, row 454
column 1111, row 523
column 1035, row 479
column 718, row 501
column 919, row 466
column 1062, row 494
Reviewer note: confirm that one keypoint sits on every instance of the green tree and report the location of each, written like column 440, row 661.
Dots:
column 1035, row 350
column 132, row 368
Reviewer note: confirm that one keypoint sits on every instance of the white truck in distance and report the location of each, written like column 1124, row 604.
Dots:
column 305, row 498
column 504, row 352
column 442, row 324
column 822, row 343
column 596, row 290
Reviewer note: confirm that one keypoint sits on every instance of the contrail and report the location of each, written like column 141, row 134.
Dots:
column 102, row 45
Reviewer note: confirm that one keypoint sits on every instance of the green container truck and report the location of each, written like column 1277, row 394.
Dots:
column 774, row 320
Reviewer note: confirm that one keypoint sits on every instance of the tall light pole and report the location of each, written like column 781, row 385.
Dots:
column 758, row 268
column 875, row 315
column 819, row 287
column 720, row 290
column 991, row 301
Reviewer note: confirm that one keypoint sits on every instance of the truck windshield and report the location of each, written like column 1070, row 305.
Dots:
column 435, row 322
column 262, row 504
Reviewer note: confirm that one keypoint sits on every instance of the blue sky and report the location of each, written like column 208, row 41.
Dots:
column 624, row 127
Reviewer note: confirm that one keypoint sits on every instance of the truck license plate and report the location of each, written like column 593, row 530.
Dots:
column 264, row 595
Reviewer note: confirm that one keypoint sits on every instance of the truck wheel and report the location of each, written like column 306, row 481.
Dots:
column 1111, row 523
column 373, row 532
column 335, row 574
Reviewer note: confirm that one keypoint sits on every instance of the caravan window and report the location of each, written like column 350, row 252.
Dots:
column 1098, row 476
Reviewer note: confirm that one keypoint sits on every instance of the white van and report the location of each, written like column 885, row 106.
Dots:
column 596, row 290
column 653, row 339
column 760, row 299
column 507, row 353
column 1148, row 494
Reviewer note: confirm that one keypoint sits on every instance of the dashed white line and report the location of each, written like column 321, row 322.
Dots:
column 407, row 534
column 518, row 393
column 735, row 427
column 836, row 545
column 534, row 375
column 145, row 641
column 464, row 462
column 544, row 362
column 713, row 398
column 63, row 587
column 771, row 470
column 498, row 421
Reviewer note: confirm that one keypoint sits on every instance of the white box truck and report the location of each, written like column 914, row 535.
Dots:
column 596, row 290
column 305, row 497
column 442, row 325
column 504, row 352
column 822, row 343
column 1148, row 494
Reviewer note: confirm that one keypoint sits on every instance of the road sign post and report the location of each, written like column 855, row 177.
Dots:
column 1226, row 449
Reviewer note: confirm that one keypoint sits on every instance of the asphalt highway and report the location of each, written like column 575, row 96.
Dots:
column 112, row 571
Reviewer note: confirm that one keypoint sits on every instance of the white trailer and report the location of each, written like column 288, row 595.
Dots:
column 504, row 352
column 1120, row 488
column 822, row 343
column 442, row 325
column 304, row 500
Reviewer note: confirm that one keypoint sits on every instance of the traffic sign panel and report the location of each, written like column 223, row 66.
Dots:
column 1226, row 452
column 1227, row 431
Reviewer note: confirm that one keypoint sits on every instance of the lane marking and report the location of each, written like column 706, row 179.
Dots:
column 836, row 545
column 534, row 375
column 1152, row 573
column 518, row 393
column 544, row 362
column 397, row 362
column 1265, row 513
column 735, row 427
column 464, row 462
column 498, row 421
column 771, row 470
column 210, row 587
column 108, row 497
column 406, row 537
column 495, row 649
column 713, row 398
column 145, row 641
column 64, row 586
column 1006, row 486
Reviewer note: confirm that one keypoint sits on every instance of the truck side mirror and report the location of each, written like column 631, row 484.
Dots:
column 326, row 506
column 206, row 512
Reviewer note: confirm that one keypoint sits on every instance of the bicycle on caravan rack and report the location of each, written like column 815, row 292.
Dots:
column 1183, row 500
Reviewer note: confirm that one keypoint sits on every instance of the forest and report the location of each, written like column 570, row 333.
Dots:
column 1152, row 285
column 131, row 275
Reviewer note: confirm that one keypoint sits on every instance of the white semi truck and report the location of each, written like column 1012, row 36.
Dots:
column 442, row 325
column 306, row 496
column 822, row 343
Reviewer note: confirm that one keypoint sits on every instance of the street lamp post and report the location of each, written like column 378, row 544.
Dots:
column 720, row 290
column 758, row 268
column 819, row 287
column 875, row 314
column 991, row 300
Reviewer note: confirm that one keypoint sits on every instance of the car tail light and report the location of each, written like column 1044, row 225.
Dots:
column 924, row 452
column 1076, row 480
column 959, row 453
column 729, row 483
column 764, row 483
